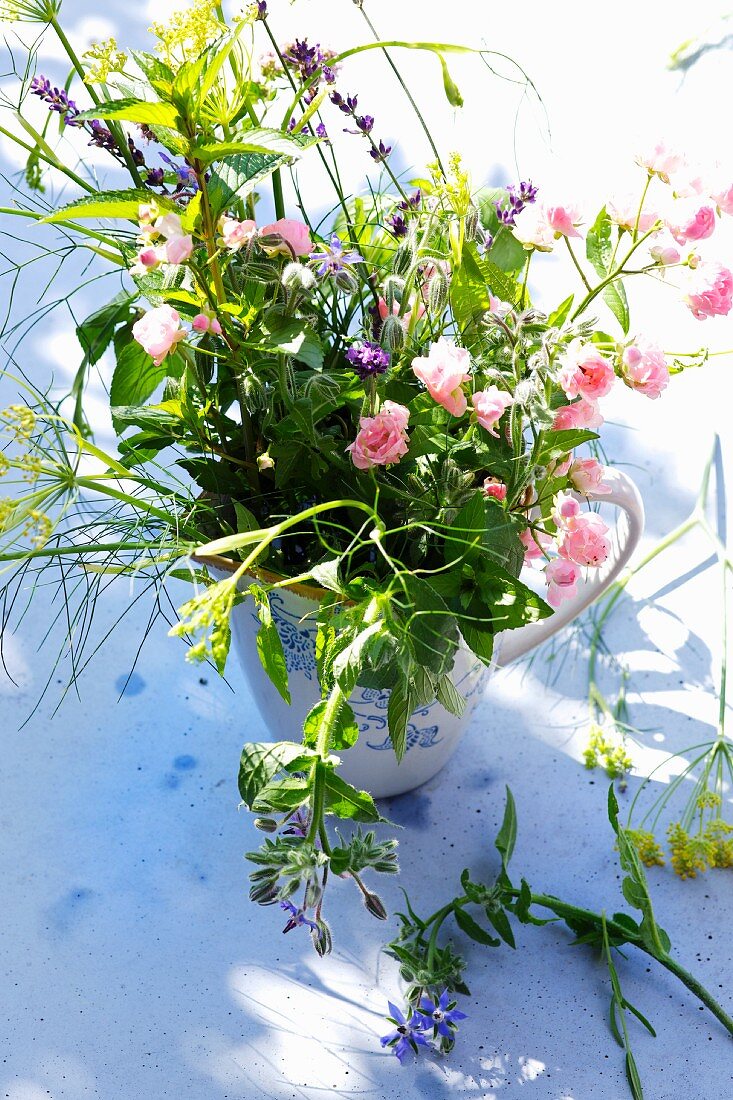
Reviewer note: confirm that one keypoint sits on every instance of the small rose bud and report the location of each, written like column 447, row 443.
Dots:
column 266, row 824
column 374, row 905
column 393, row 334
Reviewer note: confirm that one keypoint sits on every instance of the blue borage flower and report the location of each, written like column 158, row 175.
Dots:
column 332, row 260
column 440, row 1014
column 297, row 918
column 408, row 1033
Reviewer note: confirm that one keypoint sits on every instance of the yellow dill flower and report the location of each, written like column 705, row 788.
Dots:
column 454, row 186
column 193, row 27
column 104, row 58
column 690, row 854
column 718, row 835
column 39, row 527
column 649, row 851
column 20, row 420
column 708, row 799
column 601, row 750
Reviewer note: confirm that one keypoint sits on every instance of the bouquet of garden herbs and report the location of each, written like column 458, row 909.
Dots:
column 368, row 403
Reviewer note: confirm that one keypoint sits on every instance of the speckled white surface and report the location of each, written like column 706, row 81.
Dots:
column 132, row 965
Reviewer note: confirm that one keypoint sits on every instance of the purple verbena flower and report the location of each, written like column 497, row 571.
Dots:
column 440, row 1015
column 368, row 359
column 297, row 918
column 332, row 259
column 407, row 1036
column 380, row 152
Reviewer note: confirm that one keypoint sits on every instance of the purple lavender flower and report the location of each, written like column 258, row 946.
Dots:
column 407, row 1036
column 321, row 131
column 297, row 918
column 347, row 105
column 155, row 177
column 328, row 74
column 262, row 9
column 332, row 259
column 306, row 59
column 56, row 98
column 380, row 152
column 440, row 1014
column 365, row 123
column 413, row 201
column 368, row 359
column 518, row 197
column 102, row 137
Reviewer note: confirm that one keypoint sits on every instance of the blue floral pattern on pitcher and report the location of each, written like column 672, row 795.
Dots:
column 369, row 704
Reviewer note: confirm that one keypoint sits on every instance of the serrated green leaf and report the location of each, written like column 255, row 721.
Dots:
column 109, row 204
column 449, row 696
column 135, row 376
column 346, row 801
column 500, row 921
column 135, row 110
column 558, row 316
column 260, row 761
column 269, row 645
column 468, row 925
column 326, row 573
column 281, row 795
column 258, row 140
column 399, row 711
column 614, row 295
column 344, row 732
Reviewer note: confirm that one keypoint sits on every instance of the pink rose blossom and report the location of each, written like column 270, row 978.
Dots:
column 586, row 476
column 664, row 249
column 169, row 226
column 444, row 370
column 661, row 161
column 690, row 220
column 501, row 309
column 178, row 249
column 158, row 331
column 584, row 540
column 294, row 238
column 581, row 414
column 204, row 322
column 494, row 487
column 535, row 544
column 235, row 234
column 565, row 510
column 532, row 229
column 644, row 368
column 709, row 290
column 722, row 195
column 147, row 212
column 381, row 439
column 560, row 469
column 585, row 372
column 563, row 220
column 383, row 310
column 625, row 211
column 489, row 405
column 562, row 578
column 147, row 260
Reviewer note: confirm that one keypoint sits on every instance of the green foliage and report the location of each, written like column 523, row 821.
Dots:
column 599, row 250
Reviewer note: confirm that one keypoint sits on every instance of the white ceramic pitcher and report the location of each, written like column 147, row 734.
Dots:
column 433, row 733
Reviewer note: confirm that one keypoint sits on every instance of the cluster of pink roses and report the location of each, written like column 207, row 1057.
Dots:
column 161, row 239
column 160, row 330
column 581, row 537
column 287, row 236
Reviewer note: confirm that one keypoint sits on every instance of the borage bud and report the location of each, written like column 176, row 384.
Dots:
column 404, row 257
column 298, row 277
column 266, row 824
column 438, row 292
column 264, row 892
column 374, row 905
column 393, row 334
column 322, row 939
column 313, row 894
column 472, row 222
column 393, row 287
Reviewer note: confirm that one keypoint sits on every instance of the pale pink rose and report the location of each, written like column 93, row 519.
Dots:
column 562, row 578
column 293, row 238
column 147, row 260
column 560, row 469
column 235, row 234
column 169, row 226
column 147, row 212
column 624, row 212
column 661, row 161
column 532, row 229
column 581, row 414
column 383, row 310
column 381, row 439
column 178, row 249
column 584, row 540
column 494, row 487
column 204, row 322
column 709, row 290
column 664, row 249
column 158, row 331
column 688, row 181
column 586, row 475
column 644, row 368
column 690, row 220
column 501, row 309
column 585, row 373
column 563, row 220
column 444, row 370
column 535, row 544
column 721, row 192
column 565, row 510
column 489, row 405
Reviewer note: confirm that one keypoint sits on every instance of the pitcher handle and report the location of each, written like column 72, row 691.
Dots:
column 629, row 528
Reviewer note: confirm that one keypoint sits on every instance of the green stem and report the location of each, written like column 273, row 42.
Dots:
column 334, row 703
column 578, row 268
column 135, row 502
column 37, row 151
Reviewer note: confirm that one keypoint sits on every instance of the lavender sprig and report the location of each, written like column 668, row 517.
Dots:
column 518, row 197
